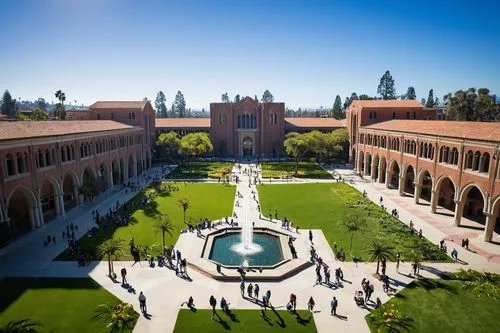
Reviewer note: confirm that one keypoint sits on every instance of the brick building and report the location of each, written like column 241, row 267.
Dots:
column 44, row 163
column 247, row 128
column 454, row 166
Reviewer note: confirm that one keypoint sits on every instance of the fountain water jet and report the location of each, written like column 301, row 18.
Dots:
column 247, row 246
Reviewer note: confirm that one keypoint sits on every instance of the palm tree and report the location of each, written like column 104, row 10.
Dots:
column 354, row 223
column 184, row 203
column 20, row 326
column 111, row 248
column 163, row 225
column 379, row 251
column 120, row 317
column 391, row 320
column 481, row 283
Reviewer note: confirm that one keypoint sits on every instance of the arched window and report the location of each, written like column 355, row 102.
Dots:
column 10, row 165
column 63, row 154
column 430, row 153
column 47, row 158
column 446, row 156
column 475, row 162
column 454, row 156
column 486, row 163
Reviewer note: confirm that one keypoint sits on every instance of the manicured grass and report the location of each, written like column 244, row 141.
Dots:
column 442, row 306
column 281, row 169
column 244, row 321
column 59, row 305
column 201, row 170
column 212, row 201
column 325, row 206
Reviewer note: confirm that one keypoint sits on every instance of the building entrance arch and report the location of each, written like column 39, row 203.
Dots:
column 20, row 206
column 473, row 202
column 247, row 146
column 409, row 180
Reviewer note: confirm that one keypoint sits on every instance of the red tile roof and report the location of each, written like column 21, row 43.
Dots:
column 11, row 130
column 380, row 103
column 488, row 131
column 314, row 122
column 182, row 122
column 118, row 105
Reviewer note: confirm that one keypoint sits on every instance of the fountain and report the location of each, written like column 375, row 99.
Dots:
column 246, row 246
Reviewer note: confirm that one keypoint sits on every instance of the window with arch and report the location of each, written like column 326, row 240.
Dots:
column 475, row 161
column 10, row 165
column 485, row 167
column 468, row 159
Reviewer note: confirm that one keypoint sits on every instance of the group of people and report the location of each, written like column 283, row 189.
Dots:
column 368, row 289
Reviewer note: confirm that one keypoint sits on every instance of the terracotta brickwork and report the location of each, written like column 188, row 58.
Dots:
column 450, row 165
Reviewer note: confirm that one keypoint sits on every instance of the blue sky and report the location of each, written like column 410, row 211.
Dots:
column 304, row 52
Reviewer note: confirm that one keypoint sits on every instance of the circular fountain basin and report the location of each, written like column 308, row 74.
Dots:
column 228, row 250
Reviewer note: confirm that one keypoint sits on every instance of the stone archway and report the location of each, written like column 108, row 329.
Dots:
column 393, row 177
column 247, row 146
column 492, row 220
column 409, row 180
column 139, row 163
column 368, row 164
column 382, row 169
column 473, row 203
column 445, row 195
column 49, row 199
column 424, row 187
column 361, row 162
column 70, row 191
column 21, row 205
column 375, row 167
column 115, row 172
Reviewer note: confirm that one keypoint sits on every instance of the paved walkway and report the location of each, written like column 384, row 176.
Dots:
column 166, row 292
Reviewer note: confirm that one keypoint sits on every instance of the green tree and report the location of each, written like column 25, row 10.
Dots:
column 119, row 318
column 349, row 100
column 185, row 204
column 20, row 326
column 163, row 225
column 41, row 104
column 39, row 114
column 267, row 97
column 225, row 98
column 354, row 223
column 110, row 249
column 410, row 93
column 161, row 108
column 21, row 116
column 90, row 187
column 337, row 111
column 415, row 256
column 389, row 319
column 8, row 107
column 180, row 105
column 379, row 251
column 364, row 97
column 297, row 145
column 237, row 98
column 60, row 111
column 169, row 144
column 481, row 283
column 430, row 99
column 386, row 87
column 195, row 144
column 256, row 99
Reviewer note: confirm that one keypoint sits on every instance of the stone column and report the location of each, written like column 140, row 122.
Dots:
column 459, row 212
column 491, row 220
column 134, row 166
column 125, row 172
column 40, row 215
column 76, row 196
column 434, row 200
column 418, row 190
column 62, row 210
column 380, row 172
column 387, row 178
column 57, row 204
column 372, row 173
column 110, row 179
column 401, row 185
column 33, row 221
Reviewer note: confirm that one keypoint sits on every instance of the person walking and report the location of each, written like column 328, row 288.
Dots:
column 310, row 304
column 256, row 290
column 242, row 288
column 311, row 237
column 124, row 276
column 398, row 257
column 213, row 303
column 142, row 302
column 250, row 290
column 333, row 305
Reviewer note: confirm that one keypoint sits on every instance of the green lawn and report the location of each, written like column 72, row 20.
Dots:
column 306, row 170
column 324, row 206
column 212, row 201
column 244, row 321
column 59, row 305
column 442, row 306
column 201, row 170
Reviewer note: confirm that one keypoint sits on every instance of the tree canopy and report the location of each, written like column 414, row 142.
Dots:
column 180, row 105
column 337, row 110
column 39, row 114
column 168, row 144
column 410, row 93
column 267, row 97
column 8, row 107
column 386, row 87
column 195, row 144
column 472, row 105
column 348, row 100
column 160, row 106
column 59, row 110
column 225, row 98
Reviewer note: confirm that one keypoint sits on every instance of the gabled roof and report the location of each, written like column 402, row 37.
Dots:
column 118, row 105
column 10, row 130
column 380, row 103
column 314, row 122
column 182, row 123
column 475, row 130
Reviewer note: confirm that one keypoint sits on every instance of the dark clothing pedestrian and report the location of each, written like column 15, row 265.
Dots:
column 333, row 305
column 311, row 237
column 124, row 276
column 213, row 303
